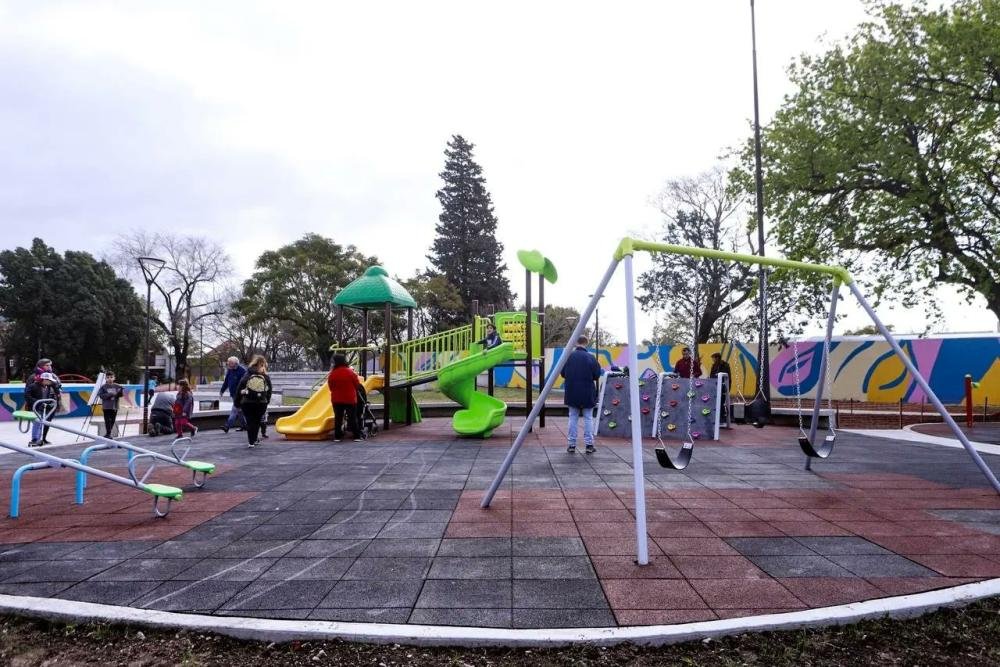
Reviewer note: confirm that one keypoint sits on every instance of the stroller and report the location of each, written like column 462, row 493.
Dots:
column 367, row 424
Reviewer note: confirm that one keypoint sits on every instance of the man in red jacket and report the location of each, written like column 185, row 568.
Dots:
column 344, row 385
column 684, row 364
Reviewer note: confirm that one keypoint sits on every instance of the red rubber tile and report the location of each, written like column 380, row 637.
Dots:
column 841, row 515
column 695, row 546
column 743, row 529
column 706, row 503
column 607, row 529
column 627, row 617
column 490, row 515
column 960, row 566
column 722, row 514
column 492, row 529
column 651, row 594
column 625, row 567
column 544, row 529
column 745, row 594
column 596, row 504
column 582, row 516
column 917, row 544
column 660, row 529
column 717, row 567
column 549, row 516
column 828, row 591
column 616, row 546
column 786, row 514
column 908, row 585
column 809, row 528
column 669, row 515
column 541, row 504
column 742, row 613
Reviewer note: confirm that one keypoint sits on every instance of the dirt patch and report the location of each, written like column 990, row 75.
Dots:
column 951, row 637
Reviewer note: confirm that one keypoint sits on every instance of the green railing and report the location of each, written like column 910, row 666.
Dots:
column 422, row 358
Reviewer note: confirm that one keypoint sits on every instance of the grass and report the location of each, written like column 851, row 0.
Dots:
column 966, row 636
column 505, row 394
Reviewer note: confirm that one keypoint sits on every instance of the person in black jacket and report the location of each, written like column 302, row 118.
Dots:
column 492, row 338
column 45, row 387
column 580, row 374
column 252, row 397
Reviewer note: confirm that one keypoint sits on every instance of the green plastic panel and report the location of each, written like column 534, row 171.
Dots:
column 510, row 326
column 201, row 466
column 24, row 415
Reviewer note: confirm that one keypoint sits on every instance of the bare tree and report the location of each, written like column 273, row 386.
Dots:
column 186, row 289
column 699, row 296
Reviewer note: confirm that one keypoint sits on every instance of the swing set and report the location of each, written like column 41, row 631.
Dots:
column 756, row 410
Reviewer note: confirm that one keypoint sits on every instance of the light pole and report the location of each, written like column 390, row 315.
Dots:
column 201, row 355
column 597, row 327
column 151, row 268
column 763, row 411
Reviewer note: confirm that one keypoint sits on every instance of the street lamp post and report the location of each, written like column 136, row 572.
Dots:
column 201, row 355
column 151, row 268
column 597, row 327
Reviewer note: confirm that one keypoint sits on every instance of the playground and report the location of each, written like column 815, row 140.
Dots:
column 481, row 528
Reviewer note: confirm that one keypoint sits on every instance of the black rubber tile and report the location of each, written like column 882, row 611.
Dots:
column 109, row 592
column 299, row 594
column 328, row 548
column 414, row 547
column 475, row 546
column 842, row 546
column 477, row 618
column 65, row 570
column 870, row 566
column 403, row 530
column 482, row 567
column 226, row 569
column 563, row 618
column 548, row 546
column 392, row 568
column 374, row 615
column 799, row 566
column 303, row 569
column 256, row 549
column 558, row 594
column 194, row 596
column 372, row 595
column 552, row 567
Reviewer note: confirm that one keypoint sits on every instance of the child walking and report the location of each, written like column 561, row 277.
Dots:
column 183, row 407
column 110, row 393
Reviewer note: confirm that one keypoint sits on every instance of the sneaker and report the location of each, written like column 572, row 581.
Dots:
column 195, row 432
column 251, row 445
column 336, row 439
column 34, row 443
column 46, row 442
column 571, row 449
column 239, row 428
column 264, row 435
column 357, row 440
column 591, row 449
column 225, row 429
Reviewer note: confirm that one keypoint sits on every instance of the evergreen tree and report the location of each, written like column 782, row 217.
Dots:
column 466, row 251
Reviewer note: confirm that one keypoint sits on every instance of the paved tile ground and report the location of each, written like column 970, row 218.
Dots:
column 391, row 530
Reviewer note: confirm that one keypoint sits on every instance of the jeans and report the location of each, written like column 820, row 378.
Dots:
column 36, row 431
column 588, row 425
column 235, row 414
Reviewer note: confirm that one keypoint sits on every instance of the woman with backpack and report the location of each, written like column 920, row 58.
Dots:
column 252, row 397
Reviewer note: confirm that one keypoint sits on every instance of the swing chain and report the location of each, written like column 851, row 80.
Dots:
column 798, row 384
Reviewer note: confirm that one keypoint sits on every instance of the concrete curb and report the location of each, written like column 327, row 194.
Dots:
column 261, row 629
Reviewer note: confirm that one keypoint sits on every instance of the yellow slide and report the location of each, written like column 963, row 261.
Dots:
column 314, row 420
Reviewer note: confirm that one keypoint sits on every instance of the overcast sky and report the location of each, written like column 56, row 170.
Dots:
column 256, row 122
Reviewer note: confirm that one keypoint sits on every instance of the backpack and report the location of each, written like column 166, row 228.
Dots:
column 256, row 389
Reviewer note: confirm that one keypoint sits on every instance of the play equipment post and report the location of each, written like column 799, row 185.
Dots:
column 527, row 341
column 969, row 419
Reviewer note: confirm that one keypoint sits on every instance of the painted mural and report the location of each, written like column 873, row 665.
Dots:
column 864, row 368
column 73, row 402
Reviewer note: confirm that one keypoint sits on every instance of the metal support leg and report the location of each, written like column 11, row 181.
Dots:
column 935, row 401
column 638, row 479
column 15, row 486
column 547, row 389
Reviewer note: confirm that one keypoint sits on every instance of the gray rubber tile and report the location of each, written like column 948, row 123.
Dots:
column 482, row 567
column 194, row 596
column 372, row 595
column 558, row 594
column 375, row 615
column 552, row 567
column 40, row 550
column 327, row 548
column 871, row 566
column 465, row 594
column 298, row 594
column 186, row 549
column 401, row 547
column 475, row 546
column 226, row 569
column 548, row 546
column 113, row 550
column 35, row 589
column 270, row 531
column 303, row 569
column 64, row 570
column 397, row 529
column 563, row 618
column 799, row 566
column 477, row 618
column 842, row 546
column 109, row 592
column 391, row 568
column 255, row 549
column 769, row 546
column 347, row 531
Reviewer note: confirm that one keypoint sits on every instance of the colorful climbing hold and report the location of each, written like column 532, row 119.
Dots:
column 706, row 411
column 645, row 410
column 698, row 383
column 607, row 413
column 618, row 385
column 671, row 427
column 695, row 434
column 612, row 424
column 645, row 397
column 705, row 398
column 675, row 386
column 673, row 404
column 690, row 394
column 615, row 401
column 664, row 414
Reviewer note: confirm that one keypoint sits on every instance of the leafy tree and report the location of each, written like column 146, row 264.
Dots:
column 70, row 308
column 559, row 324
column 297, row 283
column 185, row 288
column 886, row 158
column 439, row 305
column 466, row 251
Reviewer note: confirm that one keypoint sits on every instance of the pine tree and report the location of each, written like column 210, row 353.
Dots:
column 466, row 250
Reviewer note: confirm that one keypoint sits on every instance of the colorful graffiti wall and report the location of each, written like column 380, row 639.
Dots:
column 73, row 402
column 864, row 369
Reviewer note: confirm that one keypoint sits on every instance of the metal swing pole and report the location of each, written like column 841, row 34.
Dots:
column 823, row 368
column 919, row 379
column 547, row 389
column 638, row 480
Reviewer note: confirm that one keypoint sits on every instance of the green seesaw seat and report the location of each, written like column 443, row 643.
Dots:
column 457, row 381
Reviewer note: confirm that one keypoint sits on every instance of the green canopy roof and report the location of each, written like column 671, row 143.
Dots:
column 373, row 290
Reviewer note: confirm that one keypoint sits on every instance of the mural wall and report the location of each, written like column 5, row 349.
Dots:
column 73, row 402
column 864, row 368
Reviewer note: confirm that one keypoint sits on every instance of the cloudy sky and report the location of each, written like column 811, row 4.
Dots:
column 256, row 122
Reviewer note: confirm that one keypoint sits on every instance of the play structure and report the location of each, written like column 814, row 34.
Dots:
column 806, row 440
column 43, row 411
column 453, row 358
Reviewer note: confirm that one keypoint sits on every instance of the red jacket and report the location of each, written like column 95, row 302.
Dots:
column 343, row 383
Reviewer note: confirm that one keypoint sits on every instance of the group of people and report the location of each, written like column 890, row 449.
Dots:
column 686, row 367
column 250, row 389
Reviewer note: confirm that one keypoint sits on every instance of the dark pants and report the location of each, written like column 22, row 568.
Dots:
column 340, row 410
column 109, row 421
column 253, row 412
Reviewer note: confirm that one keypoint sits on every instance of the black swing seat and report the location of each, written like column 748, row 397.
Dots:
column 757, row 412
column 822, row 451
column 682, row 460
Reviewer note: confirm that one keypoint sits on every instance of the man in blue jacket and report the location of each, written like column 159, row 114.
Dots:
column 580, row 374
column 234, row 374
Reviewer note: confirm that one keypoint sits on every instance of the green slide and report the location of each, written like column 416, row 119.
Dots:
column 457, row 381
